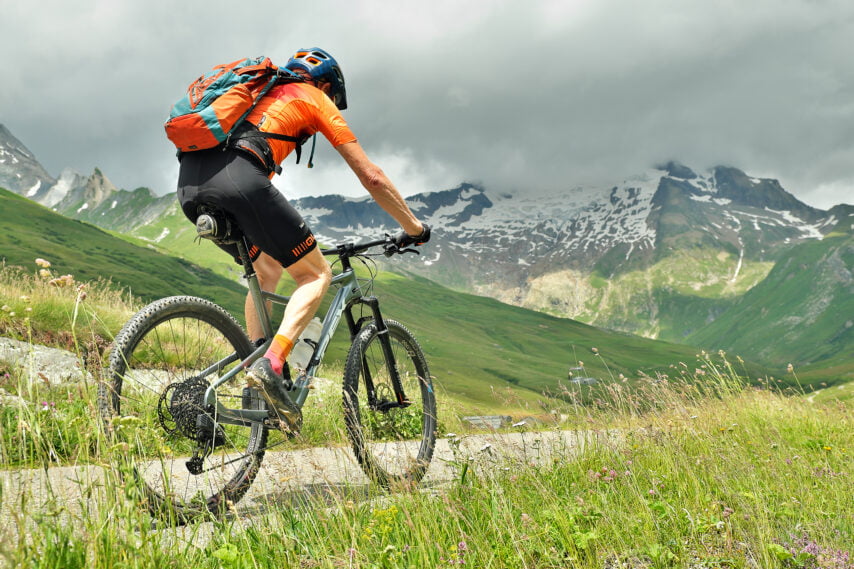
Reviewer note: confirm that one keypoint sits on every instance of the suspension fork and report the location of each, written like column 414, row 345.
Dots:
column 388, row 353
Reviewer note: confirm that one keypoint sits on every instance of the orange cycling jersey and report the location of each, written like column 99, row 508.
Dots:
column 301, row 110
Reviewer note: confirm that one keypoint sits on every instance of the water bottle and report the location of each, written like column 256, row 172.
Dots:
column 304, row 346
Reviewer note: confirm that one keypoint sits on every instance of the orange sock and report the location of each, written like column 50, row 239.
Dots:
column 278, row 352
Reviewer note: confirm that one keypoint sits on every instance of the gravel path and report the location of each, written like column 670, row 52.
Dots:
column 287, row 479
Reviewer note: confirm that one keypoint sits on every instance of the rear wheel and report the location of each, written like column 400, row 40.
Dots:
column 186, row 462
column 393, row 443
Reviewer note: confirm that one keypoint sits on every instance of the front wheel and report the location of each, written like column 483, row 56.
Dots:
column 393, row 443
column 185, row 460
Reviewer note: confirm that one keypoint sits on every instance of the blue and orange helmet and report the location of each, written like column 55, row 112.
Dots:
column 323, row 68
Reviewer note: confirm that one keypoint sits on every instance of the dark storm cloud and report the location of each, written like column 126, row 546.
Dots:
column 521, row 96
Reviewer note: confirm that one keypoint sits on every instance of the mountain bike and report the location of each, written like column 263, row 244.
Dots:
column 187, row 428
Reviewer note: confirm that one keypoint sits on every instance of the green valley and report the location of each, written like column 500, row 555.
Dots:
column 485, row 354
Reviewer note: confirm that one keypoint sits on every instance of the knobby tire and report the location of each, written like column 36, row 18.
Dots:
column 153, row 394
column 393, row 446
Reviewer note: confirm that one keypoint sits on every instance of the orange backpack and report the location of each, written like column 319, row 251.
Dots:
column 218, row 102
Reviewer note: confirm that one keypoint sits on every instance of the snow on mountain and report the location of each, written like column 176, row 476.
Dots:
column 68, row 180
column 482, row 239
column 20, row 172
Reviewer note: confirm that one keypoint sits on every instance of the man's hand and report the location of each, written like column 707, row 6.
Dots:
column 403, row 239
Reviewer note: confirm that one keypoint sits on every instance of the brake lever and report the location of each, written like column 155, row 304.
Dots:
column 390, row 249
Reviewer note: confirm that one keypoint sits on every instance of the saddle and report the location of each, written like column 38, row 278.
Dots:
column 218, row 227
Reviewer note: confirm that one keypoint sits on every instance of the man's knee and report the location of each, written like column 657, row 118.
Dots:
column 313, row 268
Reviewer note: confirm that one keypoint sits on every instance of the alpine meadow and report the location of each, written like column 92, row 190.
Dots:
column 656, row 373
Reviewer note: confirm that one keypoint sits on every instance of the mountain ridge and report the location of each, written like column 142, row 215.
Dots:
column 661, row 255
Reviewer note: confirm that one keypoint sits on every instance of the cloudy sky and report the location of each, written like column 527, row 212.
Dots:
column 519, row 96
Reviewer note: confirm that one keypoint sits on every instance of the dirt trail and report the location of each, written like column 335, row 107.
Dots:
column 286, row 478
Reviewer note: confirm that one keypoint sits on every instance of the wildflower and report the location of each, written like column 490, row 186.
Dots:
column 595, row 351
column 790, row 368
column 826, row 447
column 580, row 363
column 25, row 298
column 42, row 263
column 6, row 308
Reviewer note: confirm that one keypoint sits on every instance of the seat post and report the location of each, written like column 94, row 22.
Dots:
column 255, row 289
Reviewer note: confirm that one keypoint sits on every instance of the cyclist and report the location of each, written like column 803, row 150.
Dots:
column 235, row 178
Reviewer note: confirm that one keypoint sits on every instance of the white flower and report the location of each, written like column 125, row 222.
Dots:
column 42, row 263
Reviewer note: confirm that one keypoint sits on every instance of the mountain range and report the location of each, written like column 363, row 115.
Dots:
column 670, row 254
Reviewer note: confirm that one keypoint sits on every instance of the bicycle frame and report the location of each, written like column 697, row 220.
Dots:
column 348, row 295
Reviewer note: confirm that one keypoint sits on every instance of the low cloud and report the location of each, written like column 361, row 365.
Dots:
column 522, row 97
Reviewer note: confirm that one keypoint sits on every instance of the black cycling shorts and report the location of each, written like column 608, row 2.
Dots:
column 233, row 182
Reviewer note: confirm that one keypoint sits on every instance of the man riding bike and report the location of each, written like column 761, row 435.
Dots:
column 235, row 178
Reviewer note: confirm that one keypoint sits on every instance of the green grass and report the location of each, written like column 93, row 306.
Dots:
column 800, row 314
column 31, row 231
column 687, row 288
column 702, row 472
column 487, row 356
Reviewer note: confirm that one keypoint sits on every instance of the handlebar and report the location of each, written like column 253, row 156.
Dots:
column 351, row 249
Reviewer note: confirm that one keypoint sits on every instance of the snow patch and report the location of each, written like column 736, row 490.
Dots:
column 32, row 191
column 809, row 231
column 469, row 194
column 740, row 260
column 162, row 235
column 429, row 262
column 82, row 207
column 316, row 212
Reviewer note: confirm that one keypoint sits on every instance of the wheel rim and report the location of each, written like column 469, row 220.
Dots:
column 393, row 445
column 158, row 394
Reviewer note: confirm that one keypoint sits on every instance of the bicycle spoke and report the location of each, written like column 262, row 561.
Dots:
column 393, row 441
column 186, row 460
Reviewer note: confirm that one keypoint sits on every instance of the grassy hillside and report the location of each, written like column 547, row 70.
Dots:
column 484, row 353
column 732, row 478
column 802, row 313
column 173, row 234
column 671, row 297
column 481, row 346
column 89, row 253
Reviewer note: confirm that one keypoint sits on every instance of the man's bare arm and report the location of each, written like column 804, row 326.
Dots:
column 380, row 187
